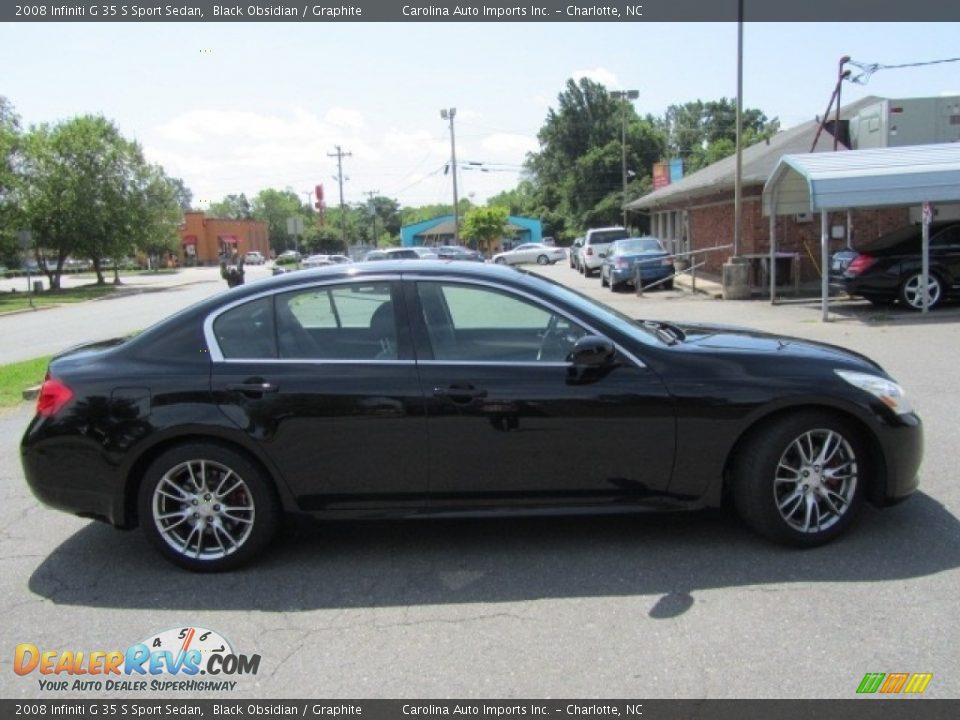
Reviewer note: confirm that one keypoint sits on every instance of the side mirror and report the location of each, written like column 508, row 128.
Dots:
column 592, row 351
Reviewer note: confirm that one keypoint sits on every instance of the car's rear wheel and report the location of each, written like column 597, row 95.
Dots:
column 542, row 260
column 911, row 291
column 799, row 481
column 207, row 508
column 500, row 261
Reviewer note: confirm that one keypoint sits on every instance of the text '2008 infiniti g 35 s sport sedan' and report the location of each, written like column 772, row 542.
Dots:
column 385, row 389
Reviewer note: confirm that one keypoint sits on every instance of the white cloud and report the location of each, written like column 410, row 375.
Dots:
column 605, row 77
column 345, row 118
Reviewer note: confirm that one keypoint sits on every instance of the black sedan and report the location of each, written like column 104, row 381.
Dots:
column 889, row 268
column 348, row 391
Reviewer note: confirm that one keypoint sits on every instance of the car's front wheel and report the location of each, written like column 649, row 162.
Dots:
column 911, row 292
column 500, row 261
column 207, row 508
column 542, row 260
column 800, row 480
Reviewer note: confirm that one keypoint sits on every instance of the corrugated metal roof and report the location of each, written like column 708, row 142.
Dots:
column 876, row 177
column 758, row 161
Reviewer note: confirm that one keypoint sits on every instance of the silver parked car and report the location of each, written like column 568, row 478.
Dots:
column 531, row 253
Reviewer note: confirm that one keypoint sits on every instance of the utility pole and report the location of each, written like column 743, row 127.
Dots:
column 624, row 96
column 738, row 169
column 373, row 213
column 340, row 155
column 451, row 114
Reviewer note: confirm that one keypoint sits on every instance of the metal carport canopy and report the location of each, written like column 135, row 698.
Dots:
column 877, row 177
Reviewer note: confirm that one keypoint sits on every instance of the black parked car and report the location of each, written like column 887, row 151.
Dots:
column 889, row 268
column 348, row 391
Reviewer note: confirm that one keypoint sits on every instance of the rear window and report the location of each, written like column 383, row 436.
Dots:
column 602, row 237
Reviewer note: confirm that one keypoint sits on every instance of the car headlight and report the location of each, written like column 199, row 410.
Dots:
column 886, row 391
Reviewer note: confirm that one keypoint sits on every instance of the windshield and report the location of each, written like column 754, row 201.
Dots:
column 637, row 245
column 631, row 327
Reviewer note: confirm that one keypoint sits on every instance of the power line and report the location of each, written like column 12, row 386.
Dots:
column 869, row 69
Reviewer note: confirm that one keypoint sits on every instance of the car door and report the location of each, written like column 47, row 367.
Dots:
column 323, row 378
column 945, row 251
column 511, row 421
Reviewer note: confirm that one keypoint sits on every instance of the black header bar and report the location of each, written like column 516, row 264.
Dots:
column 641, row 11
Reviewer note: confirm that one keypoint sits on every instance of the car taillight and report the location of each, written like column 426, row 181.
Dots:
column 860, row 263
column 53, row 396
column 667, row 261
column 589, row 251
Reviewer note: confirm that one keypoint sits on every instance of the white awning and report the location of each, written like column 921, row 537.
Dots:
column 877, row 177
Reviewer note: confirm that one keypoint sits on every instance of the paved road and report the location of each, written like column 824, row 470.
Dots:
column 627, row 607
column 43, row 332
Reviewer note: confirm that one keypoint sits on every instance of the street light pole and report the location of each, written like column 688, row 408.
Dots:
column 450, row 114
column 624, row 95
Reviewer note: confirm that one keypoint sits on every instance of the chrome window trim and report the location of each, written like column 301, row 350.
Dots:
column 532, row 298
column 217, row 356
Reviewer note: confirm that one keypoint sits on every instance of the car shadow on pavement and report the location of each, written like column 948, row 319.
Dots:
column 867, row 313
column 401, row 563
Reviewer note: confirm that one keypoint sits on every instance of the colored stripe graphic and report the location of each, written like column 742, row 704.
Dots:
column 893, row 683
column 871, row 682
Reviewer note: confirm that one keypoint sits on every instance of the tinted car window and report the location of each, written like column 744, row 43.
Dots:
column 467, row 323
column 625, row 247
column 247, row 331
column 347, row 322
column 606, row 236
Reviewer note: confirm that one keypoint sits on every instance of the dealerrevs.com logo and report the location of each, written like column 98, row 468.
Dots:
column 187, row 659
column 894, row 683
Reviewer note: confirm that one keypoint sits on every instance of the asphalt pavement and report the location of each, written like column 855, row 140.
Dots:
column 653, row 606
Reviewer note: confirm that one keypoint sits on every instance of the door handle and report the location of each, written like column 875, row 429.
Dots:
column 253, row 388
column 459, row 394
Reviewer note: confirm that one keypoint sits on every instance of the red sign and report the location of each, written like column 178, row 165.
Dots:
column 190, row 240
column 228, row 239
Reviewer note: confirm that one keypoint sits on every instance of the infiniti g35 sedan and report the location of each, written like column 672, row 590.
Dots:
column 347, row 391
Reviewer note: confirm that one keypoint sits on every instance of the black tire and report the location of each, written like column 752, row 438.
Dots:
column 500, row 261
column 770, row 494
column 225, row 540
column 668, row 285
column 587, row 272
column 543, row 260
column 912, row 298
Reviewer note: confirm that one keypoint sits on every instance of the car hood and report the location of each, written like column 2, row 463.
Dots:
column 732, row 339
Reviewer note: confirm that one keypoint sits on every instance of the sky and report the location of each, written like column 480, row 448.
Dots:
column 238, row 107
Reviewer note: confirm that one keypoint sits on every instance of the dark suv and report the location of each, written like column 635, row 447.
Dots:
column 889, row 268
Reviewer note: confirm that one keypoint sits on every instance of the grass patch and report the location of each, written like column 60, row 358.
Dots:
column 10, row 301
column 17, row 377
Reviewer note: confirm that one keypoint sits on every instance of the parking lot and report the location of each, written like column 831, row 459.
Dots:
column 650, row 606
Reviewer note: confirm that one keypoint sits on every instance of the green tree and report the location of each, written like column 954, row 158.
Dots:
column 577, row 175
column 274, row 207
column 88, row 191
column 485, row 225
column 702, row 132
column 156, row 213
column 10, row 149
column 232, row 207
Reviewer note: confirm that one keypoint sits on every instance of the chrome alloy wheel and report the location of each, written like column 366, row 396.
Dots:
column 816, row 480
column 913, row 291
column 203, row 509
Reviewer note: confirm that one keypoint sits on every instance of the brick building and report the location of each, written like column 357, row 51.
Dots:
column 203, row 239
column 697, row 212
